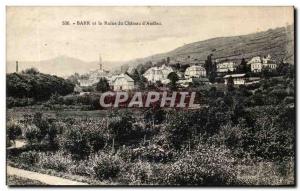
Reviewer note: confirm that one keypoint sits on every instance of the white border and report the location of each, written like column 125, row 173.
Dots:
column 4, row 3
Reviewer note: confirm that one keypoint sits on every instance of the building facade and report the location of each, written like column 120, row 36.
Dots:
column 238, row 79
column 195, row 72
column 122, row 82
column 155, row 74
column 226, row 67
column 257, row 63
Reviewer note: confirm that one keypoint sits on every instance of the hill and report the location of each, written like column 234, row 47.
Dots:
column 278, row 42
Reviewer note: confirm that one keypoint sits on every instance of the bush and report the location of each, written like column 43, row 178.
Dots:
column 42, row 123
column 13, row 130
column 138, row 173
column 82, row 168
column 18, row 102
column 32, row 133
column 56, row 161
column 154, row 115
column 208, row 165
column 29, row 158
column 74, row 142
column 121, row 127
column 106, row 166
column 84, row 138
column 151, row 153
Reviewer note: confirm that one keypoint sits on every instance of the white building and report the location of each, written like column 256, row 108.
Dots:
column 195, row 72
column 155, row 74
column 121, row 82
column 226, row 67
column 258, row 63
column 238, row 79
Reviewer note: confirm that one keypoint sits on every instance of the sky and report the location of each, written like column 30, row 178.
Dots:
column 37, row 33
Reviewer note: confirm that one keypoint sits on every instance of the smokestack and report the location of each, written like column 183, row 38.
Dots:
column 17, row 67
column 100, row 62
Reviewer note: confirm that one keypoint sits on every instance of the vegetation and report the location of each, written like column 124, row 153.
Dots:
column 242, row 135
column 35, row 85
column 102, row 85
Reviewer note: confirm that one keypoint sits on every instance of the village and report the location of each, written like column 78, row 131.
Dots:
column 186, row 71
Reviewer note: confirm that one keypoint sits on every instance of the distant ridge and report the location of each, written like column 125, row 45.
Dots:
column 278, row 42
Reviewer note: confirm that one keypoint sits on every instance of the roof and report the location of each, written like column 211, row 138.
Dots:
column 114, row 78
column 235, row 75
column 195, row 67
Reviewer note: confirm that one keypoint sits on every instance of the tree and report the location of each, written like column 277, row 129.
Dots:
column 135, row 76
column 242, row 68
column 168, row 60
column 36, row 85
column 173, row 77
column 102, row 85
column 30, row 71
column 230, row 84
column 141, row 83
column 211, row 68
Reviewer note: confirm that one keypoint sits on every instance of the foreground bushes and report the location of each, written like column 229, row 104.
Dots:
column 83, row 139
column 13, row 130
column 106, row 166
column 208, row 165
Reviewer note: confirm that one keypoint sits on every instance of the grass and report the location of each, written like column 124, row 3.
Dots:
column 18, row 181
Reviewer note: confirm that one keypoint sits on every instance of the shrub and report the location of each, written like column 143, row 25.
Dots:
column 82, row 168
column 32, row 133
column 179, row 129
column 137, row 173
column 74, row 142
column 154, row 115
column 56, row 161
column 42, row 123
column 52, row 135
column 208, row 165
column 29, row 158
column 121, row 127
column 13, row 130
column 84, row 138
column 151, row 153
column 106, row 166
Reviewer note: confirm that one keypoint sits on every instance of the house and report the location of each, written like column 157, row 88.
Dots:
column 195, row 72
column 226, row 67
column 121, row 82
column 257, row 63
column 155, row 74
column 269, row 63
column 238, row 79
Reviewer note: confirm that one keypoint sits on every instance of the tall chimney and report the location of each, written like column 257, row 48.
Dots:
column 100, row 62
column 17, row 67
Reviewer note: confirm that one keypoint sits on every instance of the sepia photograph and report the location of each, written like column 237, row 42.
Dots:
column 160, row 96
